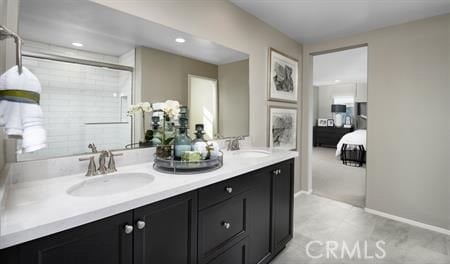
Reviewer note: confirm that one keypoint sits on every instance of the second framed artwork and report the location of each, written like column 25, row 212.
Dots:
column 282, row 127
column 283, row 77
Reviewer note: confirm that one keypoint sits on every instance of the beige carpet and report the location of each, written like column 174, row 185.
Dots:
column 332, row 179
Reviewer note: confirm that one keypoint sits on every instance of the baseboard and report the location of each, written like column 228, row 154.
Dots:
column 301, row 192
column 408, row 221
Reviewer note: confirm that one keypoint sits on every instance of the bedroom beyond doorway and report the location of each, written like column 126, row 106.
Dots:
column 340, row 125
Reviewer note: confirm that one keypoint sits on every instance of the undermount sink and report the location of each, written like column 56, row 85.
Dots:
column 251, row 153
column 110, row 184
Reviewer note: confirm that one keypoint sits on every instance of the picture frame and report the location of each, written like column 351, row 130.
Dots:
column 282, row 127
column 283, row 77
column 322, row 122
column 330, row 123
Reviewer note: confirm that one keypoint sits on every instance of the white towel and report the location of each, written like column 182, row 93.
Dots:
column 22, row 120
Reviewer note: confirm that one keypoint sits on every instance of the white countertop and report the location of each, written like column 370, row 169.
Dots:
column 34, row 209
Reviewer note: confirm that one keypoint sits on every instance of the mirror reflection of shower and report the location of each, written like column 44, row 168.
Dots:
column 84, row 99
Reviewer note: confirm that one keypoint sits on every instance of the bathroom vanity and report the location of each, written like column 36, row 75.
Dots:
column 216, row 217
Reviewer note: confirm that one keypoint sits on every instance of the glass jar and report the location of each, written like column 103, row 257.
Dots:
column 182, row 143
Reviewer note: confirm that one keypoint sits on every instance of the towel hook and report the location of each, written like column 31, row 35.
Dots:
column 6, row 33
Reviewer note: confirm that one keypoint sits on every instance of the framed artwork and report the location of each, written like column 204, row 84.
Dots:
column 322, row 122
column 330, row 122
column 283, row 77
column 282, row 128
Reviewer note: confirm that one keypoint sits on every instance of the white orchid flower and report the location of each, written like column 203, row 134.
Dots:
column 171, row 108
column 144, row 107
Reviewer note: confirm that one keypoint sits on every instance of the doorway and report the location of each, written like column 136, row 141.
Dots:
column 202, row 102
column 340, row 125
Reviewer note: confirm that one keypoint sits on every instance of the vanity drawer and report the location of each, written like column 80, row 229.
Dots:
column 223, row 190
column 221, row 225
column 237, row 254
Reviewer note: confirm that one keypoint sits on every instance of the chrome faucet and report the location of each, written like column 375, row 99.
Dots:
column 102, row 169
column 102, row 162
column 92, row 169
column 233, row 144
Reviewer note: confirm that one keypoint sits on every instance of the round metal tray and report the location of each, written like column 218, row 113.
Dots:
column 185, row 167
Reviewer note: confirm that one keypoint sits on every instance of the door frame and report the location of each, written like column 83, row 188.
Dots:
column 307, row 122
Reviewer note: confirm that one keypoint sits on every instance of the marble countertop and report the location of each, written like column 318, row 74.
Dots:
column 34, row 209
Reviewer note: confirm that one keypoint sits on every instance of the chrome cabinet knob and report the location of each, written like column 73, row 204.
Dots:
column 140, row 224
column 128, row 229
column 228, row 189
column 226, row 225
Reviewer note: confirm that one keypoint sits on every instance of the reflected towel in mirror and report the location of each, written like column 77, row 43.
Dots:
column 22, row 120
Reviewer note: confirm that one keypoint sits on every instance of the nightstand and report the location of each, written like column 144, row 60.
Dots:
column 328, row 136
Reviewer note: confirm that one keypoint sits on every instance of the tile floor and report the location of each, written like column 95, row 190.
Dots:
column 334, row 180
column 322, row 219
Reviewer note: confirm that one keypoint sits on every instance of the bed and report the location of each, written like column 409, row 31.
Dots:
column 352, row 148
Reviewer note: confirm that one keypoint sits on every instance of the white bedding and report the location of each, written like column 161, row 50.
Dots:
column 357, row 137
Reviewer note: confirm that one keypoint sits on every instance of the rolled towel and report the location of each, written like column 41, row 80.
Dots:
column 19, row 116
column 34, row 136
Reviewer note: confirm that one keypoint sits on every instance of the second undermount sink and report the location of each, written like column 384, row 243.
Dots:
column 110, row 184
column 251, row 153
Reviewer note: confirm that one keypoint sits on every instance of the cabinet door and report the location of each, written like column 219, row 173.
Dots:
column 234, row 255
column 259, row 217
column 103, row 241
column 282, row 203
column 170, row 231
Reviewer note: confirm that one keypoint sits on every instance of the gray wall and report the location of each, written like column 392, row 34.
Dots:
column 408, row 140
column 226, row 24
column 164, row 75
column 326, row 96
column 233, row 99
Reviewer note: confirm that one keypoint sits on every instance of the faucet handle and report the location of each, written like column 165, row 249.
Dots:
column 92, row 169
column 112, row 162
column 93, row 148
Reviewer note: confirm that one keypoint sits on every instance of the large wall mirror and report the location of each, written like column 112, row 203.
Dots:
column 93, row 62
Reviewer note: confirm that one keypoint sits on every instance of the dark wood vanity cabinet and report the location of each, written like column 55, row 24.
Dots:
column 257, row 206
column 282, row 204
column 170, row 231
column 247, row 219
column 163, row 232
column 103, row 241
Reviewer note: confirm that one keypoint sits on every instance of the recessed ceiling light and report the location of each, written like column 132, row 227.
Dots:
column 337, row 81
column 180, row 40
column 77, row 44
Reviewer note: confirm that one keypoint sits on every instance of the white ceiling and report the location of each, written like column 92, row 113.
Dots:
column 346, row 66
column 309, row 21
column 107, row 31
